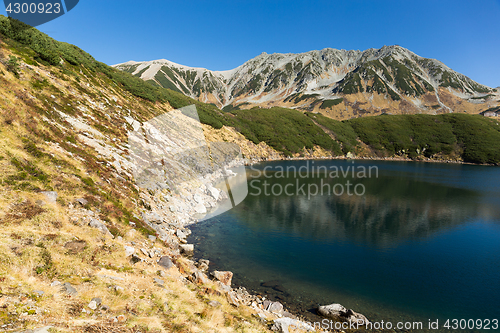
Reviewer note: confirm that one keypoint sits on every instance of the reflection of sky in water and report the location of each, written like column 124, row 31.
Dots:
column 455, row 175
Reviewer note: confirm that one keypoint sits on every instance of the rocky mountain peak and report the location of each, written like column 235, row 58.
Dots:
column 338, row 83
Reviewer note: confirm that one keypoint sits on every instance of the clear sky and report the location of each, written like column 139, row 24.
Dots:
column 221, row 35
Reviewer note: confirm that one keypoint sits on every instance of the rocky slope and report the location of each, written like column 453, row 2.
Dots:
column 338, row 83
column 84, row 245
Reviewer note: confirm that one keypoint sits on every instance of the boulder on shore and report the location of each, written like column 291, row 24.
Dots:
column 203, row 264
column 165, row 262
column 187, row 249
column 223, row 276
column 284, row 325
column 199, row 277
column 275, row 307
column 338, row 312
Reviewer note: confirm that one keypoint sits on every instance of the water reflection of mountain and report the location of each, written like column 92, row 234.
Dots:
column 391, row 211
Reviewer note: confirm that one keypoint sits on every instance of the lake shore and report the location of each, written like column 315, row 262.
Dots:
column 364, row 158
column 308, row 313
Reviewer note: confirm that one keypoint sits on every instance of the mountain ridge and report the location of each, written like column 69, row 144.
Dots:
column 376, row 77
column 133, row 62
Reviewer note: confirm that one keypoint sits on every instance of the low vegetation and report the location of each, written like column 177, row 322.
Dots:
column 343, row 133
column 443, row 136
column 448, row 136
column 288, row 131
column 328, row 103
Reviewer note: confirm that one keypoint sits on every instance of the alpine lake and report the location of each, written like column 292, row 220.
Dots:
column 395, row 241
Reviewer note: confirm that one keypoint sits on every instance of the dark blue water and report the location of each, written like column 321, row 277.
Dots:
column 422, row 242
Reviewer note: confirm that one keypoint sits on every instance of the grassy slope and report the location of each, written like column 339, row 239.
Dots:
column 48, row 114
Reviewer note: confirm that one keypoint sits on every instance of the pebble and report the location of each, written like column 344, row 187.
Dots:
column 69, row 289
column 92, row 305
column 51, row 196
column 81, row 201
column 97, row 300
column 129, row 250
column 214, row 304
column 159, row 282
column 135, row 259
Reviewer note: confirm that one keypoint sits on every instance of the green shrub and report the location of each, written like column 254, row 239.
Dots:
column 288, row 131
column 39, row 84
column 13, row 65
column 328, row 103
column 343, row 132
column 479, row 137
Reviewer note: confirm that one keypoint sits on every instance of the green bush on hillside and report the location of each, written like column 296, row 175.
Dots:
column 288, row 131
column 328, row 103
column 479, row 137
column 343, row 132
column 405, row 134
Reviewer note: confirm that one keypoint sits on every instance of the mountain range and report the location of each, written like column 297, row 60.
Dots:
column 337, row 83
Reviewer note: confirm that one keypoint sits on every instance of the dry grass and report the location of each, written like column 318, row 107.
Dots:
column 44, row 242
column 21, row 211
column 173, row 307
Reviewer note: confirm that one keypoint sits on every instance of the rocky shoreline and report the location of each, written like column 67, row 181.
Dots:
column 270, row 312
column 362, row 158
column 184, row 214
column 170, row 213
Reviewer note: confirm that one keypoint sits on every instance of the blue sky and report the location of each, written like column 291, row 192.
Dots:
column 221, row 35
